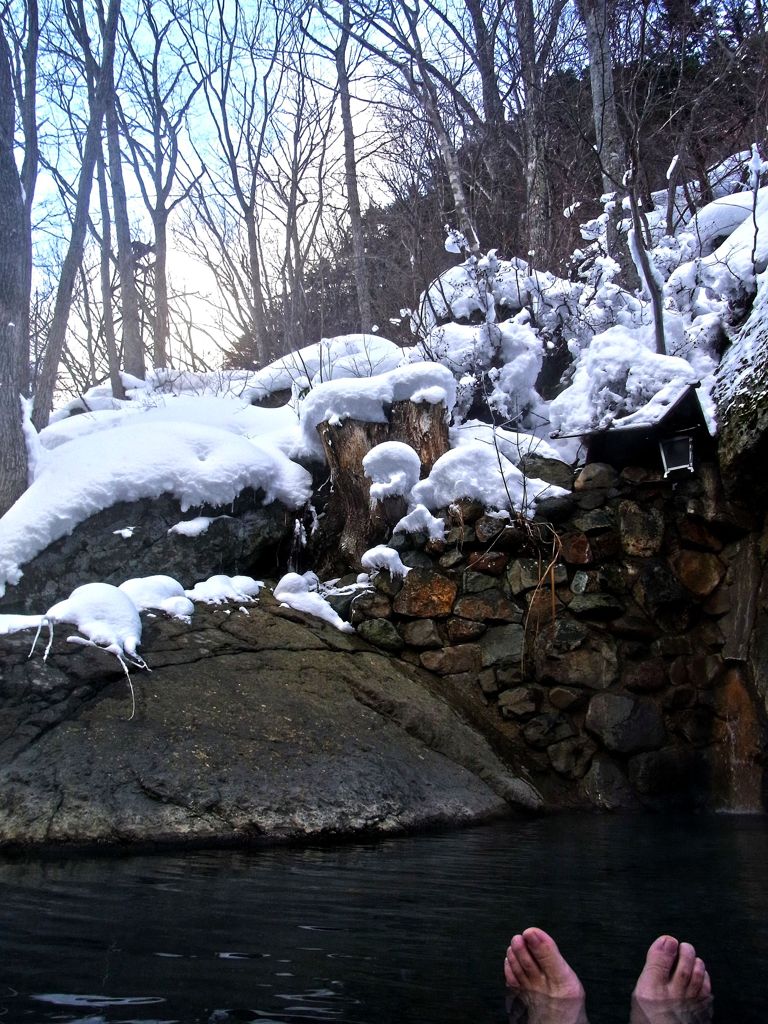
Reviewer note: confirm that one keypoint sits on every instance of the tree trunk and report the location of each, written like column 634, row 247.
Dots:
column 424, row 93
column 609, row 143
column 351, row 521
column 534, row 134
column 13, row 296
column 257, row 297
column 493, row 108
column 350, row 172
column 133, row 347
column 46, row 384
column 30, row 162
column 162, row 320
column 105, row 271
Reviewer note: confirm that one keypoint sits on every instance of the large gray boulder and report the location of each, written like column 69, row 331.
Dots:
column 252, row 725
column 132, row 539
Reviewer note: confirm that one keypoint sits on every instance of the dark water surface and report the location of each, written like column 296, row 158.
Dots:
column 403, row 930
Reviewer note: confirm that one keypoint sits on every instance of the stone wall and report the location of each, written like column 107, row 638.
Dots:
column 600, row 639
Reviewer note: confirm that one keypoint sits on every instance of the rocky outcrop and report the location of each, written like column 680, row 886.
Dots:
column 252, row 726
column 132, row 539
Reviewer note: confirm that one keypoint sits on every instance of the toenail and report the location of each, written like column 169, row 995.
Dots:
column 534, row 939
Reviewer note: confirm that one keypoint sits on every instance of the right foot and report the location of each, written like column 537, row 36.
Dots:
column 542, row 980
column 674, row 986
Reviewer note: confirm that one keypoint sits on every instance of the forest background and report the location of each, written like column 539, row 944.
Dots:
column 209, row 183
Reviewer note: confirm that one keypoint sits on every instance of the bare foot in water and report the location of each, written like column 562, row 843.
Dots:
column 673, row 987
column 542, row 981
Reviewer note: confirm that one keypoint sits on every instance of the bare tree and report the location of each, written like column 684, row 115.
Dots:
column 237, row 49
column 14, row 294
column 157, row 95
column 47, row 377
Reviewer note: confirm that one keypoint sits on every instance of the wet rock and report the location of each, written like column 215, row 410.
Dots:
column 461, row 630
column 249, row 728
column 452, row 660
column 555, row 509
column 520, row 701
column 387, row 584
column 670, row 777
column 242, row 537
column 671, row 646
column 493, row 563
column 426, row 594
column 606, row 786
column 641, row 529
column 593, row 665
column 477, row 582
column 696, row 725
column 599, row 607
column 700, row 572
column 572, row 757
column 661, row 596
column 645, row 676
column 460, row 535
column 415, row 559
column 381, row 633
column 369, row 604
column 421, row 633
column 697, row 534
column 465, row 510
column 678, row 698
column 528, row 573
column 575, row 549
column 596, row 521
column 625, row 724
column 596, row 474
column 502, row 644
column 543, row 730
column 451, row 559
column 565, row 698
column 490, row 606
column 486, row 680
column 552, row 471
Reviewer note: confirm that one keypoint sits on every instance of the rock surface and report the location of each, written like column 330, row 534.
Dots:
column 253, row 725
column 244, row 537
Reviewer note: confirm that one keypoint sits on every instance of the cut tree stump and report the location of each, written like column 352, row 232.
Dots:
column 352, row 525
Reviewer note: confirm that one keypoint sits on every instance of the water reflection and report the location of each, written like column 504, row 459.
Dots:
column 406, row 930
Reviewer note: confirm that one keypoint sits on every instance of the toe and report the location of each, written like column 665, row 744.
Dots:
column 683, row 972
column 706, row 986
column 512, row 973
column 660, row 959
column 528, row 965
column 698, row 974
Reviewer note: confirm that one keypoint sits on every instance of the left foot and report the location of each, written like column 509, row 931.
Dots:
column 542, row 980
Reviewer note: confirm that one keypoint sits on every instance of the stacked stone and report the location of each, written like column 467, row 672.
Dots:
column 609, row 668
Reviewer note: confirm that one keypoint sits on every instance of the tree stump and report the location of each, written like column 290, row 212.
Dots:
column 352, row 525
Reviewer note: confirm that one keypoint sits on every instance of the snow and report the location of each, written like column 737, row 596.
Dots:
column 17, row 623
column 194, row 527
column 196, row 464
column 421, row 520
column 617, row 375
column 393, row 468
column 514, row 445
column 161, row 592
column 106, row 617
column 220, row 589
column 350, row 355
column 477, row 471
column 296, row 592
column 366, row 399
column 484, row 328
column 383, row 557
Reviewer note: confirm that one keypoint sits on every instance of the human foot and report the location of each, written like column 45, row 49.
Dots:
column 542, row 981
column 673, row 987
